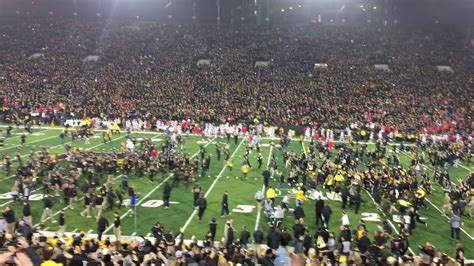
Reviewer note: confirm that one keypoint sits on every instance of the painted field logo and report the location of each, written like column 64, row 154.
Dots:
column 243, row 208
column 32, row 197
column 149, row 203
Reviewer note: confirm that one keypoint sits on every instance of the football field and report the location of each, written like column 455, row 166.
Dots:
column 219, row 179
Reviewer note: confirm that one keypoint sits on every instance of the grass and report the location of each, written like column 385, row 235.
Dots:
column 219, row 180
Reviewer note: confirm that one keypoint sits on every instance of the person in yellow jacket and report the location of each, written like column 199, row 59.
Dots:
column 300, row 197
column 271, row 194
column 329, row 182
column 420, row 197
column 245, row 171
column 404, row 205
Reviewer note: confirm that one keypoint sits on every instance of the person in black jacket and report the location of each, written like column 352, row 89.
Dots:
column 266, row 177
column 298, row 212
column 357, row 200
column 47, row 210
column 258, row 236
column 202, row 205
column 87, row 205
column 363, row 243
column 27, row 214
column 285, row 237
column 326, row 213
column 273, row 238
column 230, row 237
column 110, row 199
column 166, row 195
column 157, row 232
column 213, row 228
column 102, row 225
column 344, row 196
column 117, row 227
column 298, row 229
column 319, row 210
column 225, row 204
column 62, row 223
column 244, row 237
column 9, row 216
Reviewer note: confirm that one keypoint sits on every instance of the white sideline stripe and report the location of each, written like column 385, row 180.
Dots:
column 223, row 135
column 388, row 220
column 259, row 212
column 212, row 185
column 462, row 229
column 265, row 138
column 153, row 190
column 436, row 207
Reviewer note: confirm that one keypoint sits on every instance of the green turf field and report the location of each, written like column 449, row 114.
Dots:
column 181, row 214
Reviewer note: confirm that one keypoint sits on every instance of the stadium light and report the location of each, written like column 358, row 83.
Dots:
column 282, row 10
column 291, row 8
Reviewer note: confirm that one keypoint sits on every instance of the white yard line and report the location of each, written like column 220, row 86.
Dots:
column 154, row 189
column 436, row 207
column 212, row 185
column 440, row 211
column 388, row 219
column 259, row 212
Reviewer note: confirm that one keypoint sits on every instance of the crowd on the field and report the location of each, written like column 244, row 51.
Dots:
column 397, row 189
column 152, row 74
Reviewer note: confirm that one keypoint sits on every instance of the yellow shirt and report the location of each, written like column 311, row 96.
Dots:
column 421, row 193
column 271, row 194
column 300, row 195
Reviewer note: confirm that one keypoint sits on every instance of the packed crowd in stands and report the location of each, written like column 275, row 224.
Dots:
column 151, row 73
